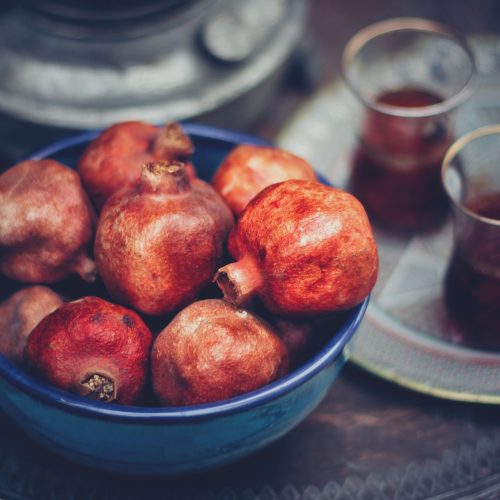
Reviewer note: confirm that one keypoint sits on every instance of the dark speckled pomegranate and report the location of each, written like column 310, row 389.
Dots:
column 160, row 243
column 304, row 248
column 93, row 348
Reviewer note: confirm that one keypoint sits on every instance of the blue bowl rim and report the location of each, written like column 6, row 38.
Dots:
column 64, row 400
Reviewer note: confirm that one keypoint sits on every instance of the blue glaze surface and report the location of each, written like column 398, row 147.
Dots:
column 152, row 440
column 137, row 447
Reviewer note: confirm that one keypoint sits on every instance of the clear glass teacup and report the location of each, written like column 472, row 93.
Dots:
column 410, row 75
column 471, row 178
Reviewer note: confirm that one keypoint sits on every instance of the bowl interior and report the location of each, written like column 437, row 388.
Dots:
column 211, row 146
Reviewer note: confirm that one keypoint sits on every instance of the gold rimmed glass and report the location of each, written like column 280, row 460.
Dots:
column 409, row 74
column 471, row 179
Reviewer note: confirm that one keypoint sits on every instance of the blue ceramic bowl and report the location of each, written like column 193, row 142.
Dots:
column 140, row 440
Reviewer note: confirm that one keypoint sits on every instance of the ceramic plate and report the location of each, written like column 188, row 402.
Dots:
column 407, row 336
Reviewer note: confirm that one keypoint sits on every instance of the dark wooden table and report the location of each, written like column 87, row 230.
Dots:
column 368, row 439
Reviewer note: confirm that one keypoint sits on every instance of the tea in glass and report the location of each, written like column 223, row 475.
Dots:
column 409, row 74
column 471, row 177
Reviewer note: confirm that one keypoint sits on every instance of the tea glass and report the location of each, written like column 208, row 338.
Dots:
column 471, row 179
column 409, row 74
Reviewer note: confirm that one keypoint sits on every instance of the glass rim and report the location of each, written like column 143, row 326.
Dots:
column 369, row 33
column 451, row 154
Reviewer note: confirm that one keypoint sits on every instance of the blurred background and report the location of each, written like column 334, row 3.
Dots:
column 68, row 65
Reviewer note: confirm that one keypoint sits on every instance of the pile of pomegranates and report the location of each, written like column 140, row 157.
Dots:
column 157, row 243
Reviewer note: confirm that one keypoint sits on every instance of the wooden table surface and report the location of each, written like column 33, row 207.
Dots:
column 368, row 439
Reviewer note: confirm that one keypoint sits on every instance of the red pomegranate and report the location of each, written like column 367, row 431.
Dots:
column 20, row 313
column 213, row 350
column 304, row 248
column 248, row 169
column 46, row 223
column 93, row 348
column 160, row 243
column 113, row 160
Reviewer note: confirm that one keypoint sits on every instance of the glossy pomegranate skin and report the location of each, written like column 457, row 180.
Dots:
column 160, row 243
column 212, row 351
column 304, row 248
column 113, row 160
column 20, row 313
column 46, row 223
column 92, row 336
column 248, row 169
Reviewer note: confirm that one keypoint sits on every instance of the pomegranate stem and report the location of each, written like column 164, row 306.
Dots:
column 165, row 177
column 239, row 281
column 85, row 267
column 173, row 143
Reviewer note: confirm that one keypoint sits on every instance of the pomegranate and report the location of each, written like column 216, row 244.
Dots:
column 304, row 248
column 304, row 337
column 20, row 313
column 211, row 351
column 248, row 169
column 160, row 243
column 113, row 160
column 46, row 223
column 92, row 348
column 296, row 335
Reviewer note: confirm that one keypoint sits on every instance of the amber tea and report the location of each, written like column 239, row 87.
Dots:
column 397, row 166
column 472, row 284
column 409, row 75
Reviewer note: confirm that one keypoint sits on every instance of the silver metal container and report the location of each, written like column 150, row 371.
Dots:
column 69, row 65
